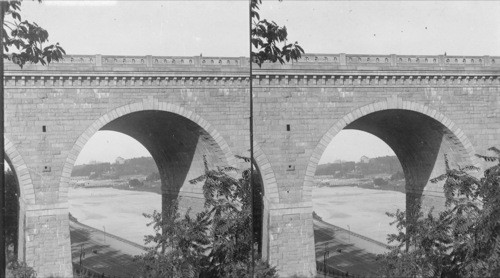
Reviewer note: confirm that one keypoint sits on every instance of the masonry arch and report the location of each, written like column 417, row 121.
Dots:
column 268, row 178
column 419, row 136
column 177, row 139
column 25, row 189
column 17, row 164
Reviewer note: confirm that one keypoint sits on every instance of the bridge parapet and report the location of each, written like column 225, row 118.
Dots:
column 137, row 63
column 399, row 60
column 307, row 61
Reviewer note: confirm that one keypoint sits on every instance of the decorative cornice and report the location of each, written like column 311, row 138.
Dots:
column 377, row 80
column 94, row 81
column 279, row 80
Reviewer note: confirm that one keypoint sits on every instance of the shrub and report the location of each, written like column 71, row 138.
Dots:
column 461, row 241
column 380, row 181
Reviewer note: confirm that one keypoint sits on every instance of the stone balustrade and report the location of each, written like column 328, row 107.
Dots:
column 342, row 60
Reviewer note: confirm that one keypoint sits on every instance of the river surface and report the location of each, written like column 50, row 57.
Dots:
column 119, row 212
column 358, row 209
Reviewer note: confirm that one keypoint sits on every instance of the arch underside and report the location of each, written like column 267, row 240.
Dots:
column 420, row 143
column 178, row 146
column 25, row 190
column 19, row 249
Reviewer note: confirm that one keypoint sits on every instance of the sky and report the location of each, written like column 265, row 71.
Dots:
column 220, row 28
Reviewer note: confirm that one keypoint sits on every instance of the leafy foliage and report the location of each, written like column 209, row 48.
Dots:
column 135, row 183
column 20, row 270
column 215, row 242
column 23, row 41
column 379, row 181
column 180, row 244
column 270, row 40
column 463, row 240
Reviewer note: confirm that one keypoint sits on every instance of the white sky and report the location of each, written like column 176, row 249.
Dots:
column 220, row 28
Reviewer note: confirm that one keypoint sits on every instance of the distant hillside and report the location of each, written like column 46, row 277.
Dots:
column 133, row 166
column 378, row 165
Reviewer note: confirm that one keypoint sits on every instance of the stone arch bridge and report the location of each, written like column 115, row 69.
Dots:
column 181, row 108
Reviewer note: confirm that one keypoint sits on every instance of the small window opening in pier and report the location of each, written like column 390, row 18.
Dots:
column 44, row 128
column 287, row 127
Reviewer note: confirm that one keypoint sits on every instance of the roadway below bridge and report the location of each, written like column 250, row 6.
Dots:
column 113, row 256
column 105, row 254
column 348, row 252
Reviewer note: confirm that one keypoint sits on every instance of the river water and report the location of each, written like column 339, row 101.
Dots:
column 359, row 209
column 119, row 212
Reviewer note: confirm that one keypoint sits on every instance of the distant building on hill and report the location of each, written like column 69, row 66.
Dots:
column 120, row 160
column 364, row 159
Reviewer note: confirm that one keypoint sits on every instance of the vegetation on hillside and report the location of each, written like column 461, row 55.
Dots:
column 135, row 166
column 461, row 241
column 377, row 165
